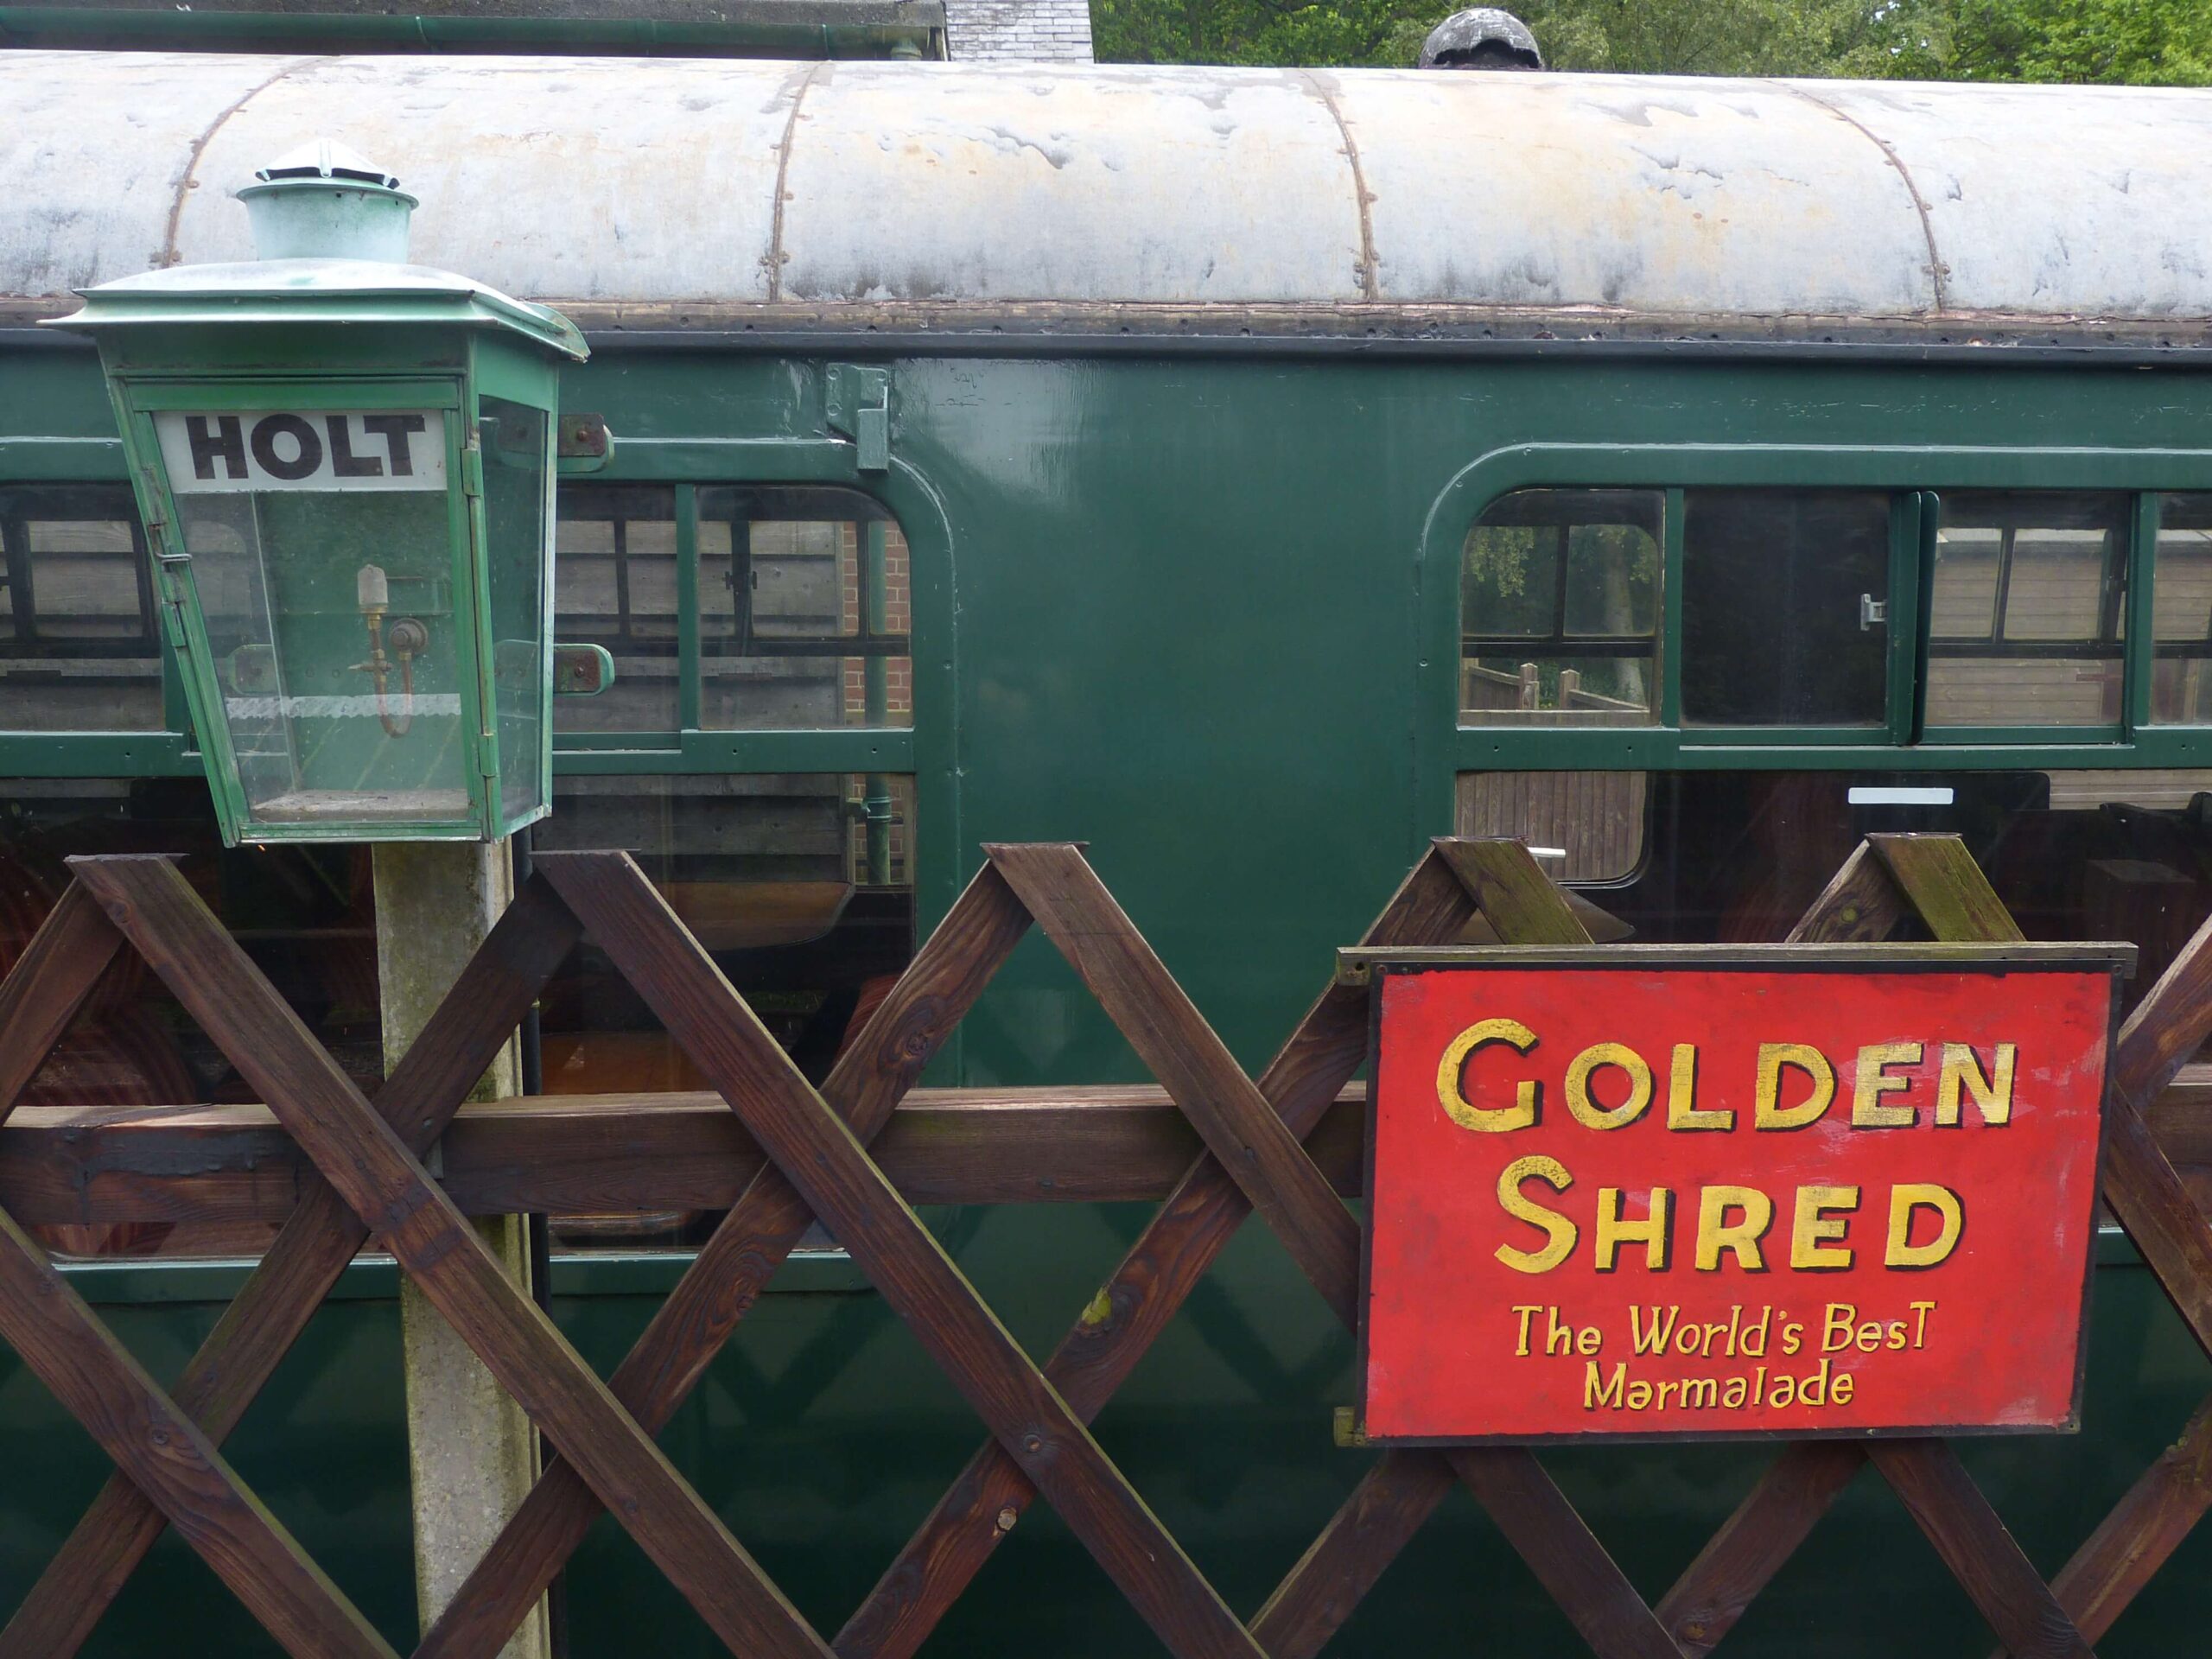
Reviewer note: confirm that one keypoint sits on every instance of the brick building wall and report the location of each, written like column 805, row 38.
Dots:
column 1035, row 31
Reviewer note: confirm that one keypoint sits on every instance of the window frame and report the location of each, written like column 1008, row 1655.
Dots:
column 1446, row 744
column 687, row 465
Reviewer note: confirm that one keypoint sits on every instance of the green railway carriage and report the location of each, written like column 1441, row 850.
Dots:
column 1252, row 475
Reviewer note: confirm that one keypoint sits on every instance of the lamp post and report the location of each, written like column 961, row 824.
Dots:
column 346, row 467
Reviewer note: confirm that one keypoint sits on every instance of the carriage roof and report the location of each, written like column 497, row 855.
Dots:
column 735, row 194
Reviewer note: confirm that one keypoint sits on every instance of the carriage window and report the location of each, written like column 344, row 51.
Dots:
column 1560, row 606
column 79, row 650
column 805, row 903
column 2181, row 687
column 1783, row 595
column 803, row 611
column 2027, row 610
column 614, row 585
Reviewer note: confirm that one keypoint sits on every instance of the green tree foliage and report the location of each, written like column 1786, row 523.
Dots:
column 2156, row 42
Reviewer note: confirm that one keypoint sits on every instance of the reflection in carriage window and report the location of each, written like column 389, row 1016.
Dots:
column 2181, row 687
column 304, row 915
column 805, row 609
column 1783, row 593
column 2026, row 609
column 805, row 905
column 1738, row 857
column 79, row 648
column 614, row 585
column 1559, row 608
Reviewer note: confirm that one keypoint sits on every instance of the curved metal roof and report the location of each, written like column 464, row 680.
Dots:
column 663, row 192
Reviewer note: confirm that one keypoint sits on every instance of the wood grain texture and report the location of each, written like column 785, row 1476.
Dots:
column 380, row 1177
column 1942, row 884
column 1862, row 902
column 1516, row 898
column 62, row 1343
column 1989, row 1565
column 935, row 991
column 2145, row 1527
column 584, row 1154
column 2171, row 1022
column 1561, row 1551
column 817, row 1151
column 48, row 983
column 524, row 949
column 1241, row 1130
column 1393, row 1500
column 1753, row 1545
column 1142, row 1296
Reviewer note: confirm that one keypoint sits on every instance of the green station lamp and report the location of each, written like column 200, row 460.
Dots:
column 345, row 467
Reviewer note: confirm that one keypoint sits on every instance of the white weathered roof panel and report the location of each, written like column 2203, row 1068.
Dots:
column 722, row 184
column 1038, row 183
column 1705, row 197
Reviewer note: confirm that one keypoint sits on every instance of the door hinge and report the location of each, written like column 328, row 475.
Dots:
column 1872, row 612
column 857, row 402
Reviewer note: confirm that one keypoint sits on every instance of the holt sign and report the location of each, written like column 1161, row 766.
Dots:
column 1795, row 1189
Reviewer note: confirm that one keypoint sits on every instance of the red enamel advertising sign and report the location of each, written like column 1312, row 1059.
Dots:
column 1801, row 1191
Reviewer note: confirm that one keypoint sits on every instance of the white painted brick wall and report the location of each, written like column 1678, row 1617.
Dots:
column 1034, row 31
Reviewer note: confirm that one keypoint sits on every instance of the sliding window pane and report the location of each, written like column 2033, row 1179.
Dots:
column 2181, row 686
column 1559, row 608
column 1782, row 596
column 2027, row 610
column 79, row 651
column 805, row 609
column 614, row 585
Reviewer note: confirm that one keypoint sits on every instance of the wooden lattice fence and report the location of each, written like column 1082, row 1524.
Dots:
column 363, row 1175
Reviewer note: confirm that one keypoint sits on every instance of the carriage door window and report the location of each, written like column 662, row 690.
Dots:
column 2026, row 610
column 1560, row 606
column 804, row 607
column 2181, row 687
column 1785, row 599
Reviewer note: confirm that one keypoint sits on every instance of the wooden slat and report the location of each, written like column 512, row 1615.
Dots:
column 1399, row 1493
column 1520, row 903
column 1561, row 1550
column 1765, row 1529
column 935, row 991
column 62, row 1343
column 48, row 983
column 569, row 1155
column 1989, row 1565
column 817, row 1152
column 2140, row 1185
column 579, row 1154
column 380, row 1177
column 1940, row 882
column 475, row 1019
column 1861, row 902
column 2144, row 1528
column 2170, row 1024
column 2148, row 1198
column 1141, row 1298
column 1176, row 1047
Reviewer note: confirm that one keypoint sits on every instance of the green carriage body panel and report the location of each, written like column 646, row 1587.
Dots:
column 1200, row 611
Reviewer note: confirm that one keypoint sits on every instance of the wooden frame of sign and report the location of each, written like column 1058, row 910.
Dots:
column 1643, row 1192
